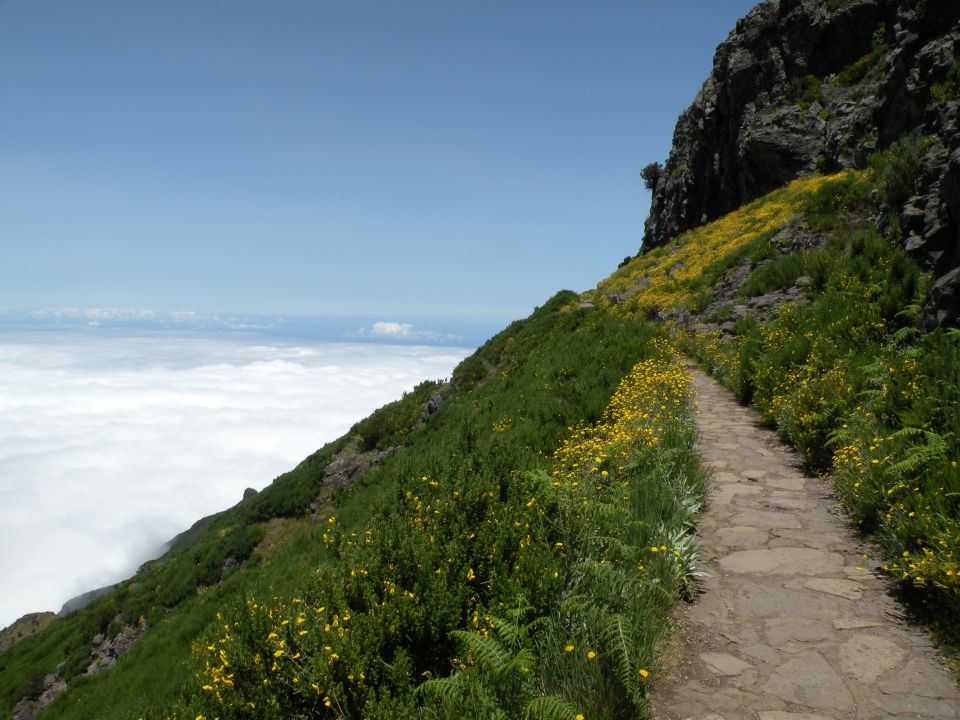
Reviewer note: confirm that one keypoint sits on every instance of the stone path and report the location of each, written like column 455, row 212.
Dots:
column 795, row 624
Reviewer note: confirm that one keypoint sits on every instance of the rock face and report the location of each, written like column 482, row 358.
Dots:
column 433, row 404
column 801, row 85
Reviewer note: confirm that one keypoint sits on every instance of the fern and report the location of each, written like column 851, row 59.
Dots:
column 618, row 632
column 486, row 651
column 447, row 689
column 550, row 707
column 934, row 448
column 522, row 662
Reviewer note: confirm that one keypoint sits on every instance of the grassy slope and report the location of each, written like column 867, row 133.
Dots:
column 532, row 389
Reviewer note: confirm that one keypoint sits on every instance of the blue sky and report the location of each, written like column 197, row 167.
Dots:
column 450, row 159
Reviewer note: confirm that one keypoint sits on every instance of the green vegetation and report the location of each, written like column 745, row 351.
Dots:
column 387, row 426
column 805, row 91
column 949, row 89
column 856, row 71
column 897, row 170
column 486, row 577
column 852, row 383
column 651, row 174
column 533, row 512
column 847, row 377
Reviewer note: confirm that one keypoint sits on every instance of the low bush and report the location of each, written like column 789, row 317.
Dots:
column 897, row 170
column 949, row 89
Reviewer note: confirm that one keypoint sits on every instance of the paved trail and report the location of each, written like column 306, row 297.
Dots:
column 794, row 624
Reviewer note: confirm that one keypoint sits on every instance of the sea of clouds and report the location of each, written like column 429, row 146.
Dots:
column 112, row 440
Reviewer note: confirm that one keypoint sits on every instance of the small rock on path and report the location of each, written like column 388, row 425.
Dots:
column 795, row 623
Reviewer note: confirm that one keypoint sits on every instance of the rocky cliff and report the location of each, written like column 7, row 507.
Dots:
column 806, row 85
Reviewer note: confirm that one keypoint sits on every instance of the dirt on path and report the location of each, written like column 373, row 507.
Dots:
column 795, row 622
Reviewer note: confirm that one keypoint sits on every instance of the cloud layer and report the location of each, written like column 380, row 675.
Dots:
column 112, row 442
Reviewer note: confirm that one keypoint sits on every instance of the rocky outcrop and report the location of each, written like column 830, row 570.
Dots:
column 28, row 708
column 343, row 471
column 105, row 651
column 24, row 627
column 802, row 85
column 433, row 404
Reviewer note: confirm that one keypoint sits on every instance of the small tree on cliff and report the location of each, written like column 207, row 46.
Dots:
column 651, row 174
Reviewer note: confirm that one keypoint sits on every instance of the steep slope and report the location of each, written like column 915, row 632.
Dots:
column 804, row 85
column 546, row 503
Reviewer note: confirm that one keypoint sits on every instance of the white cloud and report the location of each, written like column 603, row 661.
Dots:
column 392, row 329
column 112, row 443
column 383, row 330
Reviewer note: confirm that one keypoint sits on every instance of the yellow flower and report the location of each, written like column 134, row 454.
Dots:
column 644, row 673
column 569, row 648
column 591, row 655
column 579, row 717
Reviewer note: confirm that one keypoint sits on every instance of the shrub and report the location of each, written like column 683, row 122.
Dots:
column 949, row 89
column 856, row 71
column 805, row 90
column 651, row 175
column 897, row 169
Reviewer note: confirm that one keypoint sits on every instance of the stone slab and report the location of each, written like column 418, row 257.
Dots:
column 835, row 586
column 723, row 664
column 782, row 561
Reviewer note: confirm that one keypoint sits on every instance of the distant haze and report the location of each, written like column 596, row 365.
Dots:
column 112, row 441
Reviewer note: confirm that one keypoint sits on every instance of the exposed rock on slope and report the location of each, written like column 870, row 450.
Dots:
column 801, row 85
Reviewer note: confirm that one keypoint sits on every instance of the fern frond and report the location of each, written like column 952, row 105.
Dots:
column 486, row 651
column 617, row 633
column 520, row 663
column 933, row 448
column 551, row 707
column 445, row 689
column 506, row 630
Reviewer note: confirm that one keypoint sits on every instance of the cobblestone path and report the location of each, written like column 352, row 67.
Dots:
column 794, row 623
